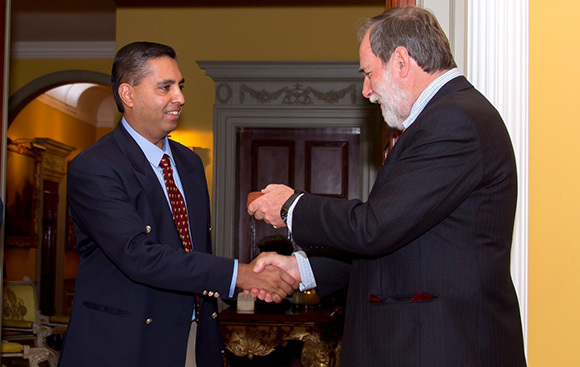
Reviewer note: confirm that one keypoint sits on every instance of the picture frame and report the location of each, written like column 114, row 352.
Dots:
column 23, row 194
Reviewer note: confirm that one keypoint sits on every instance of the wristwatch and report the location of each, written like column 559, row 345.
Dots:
column 288, row 204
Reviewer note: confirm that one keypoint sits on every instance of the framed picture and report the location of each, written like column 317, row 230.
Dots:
column 23, row 194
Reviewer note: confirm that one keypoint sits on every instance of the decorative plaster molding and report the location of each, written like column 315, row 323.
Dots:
column 297, row 95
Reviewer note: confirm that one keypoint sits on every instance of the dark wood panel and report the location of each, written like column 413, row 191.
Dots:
column 272, row 162
column 327, row 168
column 400, row 3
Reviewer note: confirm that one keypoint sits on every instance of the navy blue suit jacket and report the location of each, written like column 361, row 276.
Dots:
column 135, row 287
column 430, row 282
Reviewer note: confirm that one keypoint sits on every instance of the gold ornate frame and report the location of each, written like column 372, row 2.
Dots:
column 23, row 194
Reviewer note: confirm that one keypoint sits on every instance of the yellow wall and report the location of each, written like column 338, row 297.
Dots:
column 277, row 33
column 554, row 257
column 40, row 120
column 23, row 71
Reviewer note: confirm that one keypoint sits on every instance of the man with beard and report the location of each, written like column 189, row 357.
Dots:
column 430, row 280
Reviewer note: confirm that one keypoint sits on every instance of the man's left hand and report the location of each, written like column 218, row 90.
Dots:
column 267, row 207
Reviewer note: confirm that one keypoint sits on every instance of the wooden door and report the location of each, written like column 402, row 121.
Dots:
column 394, row 3
column 322, row 161
column 49, row 243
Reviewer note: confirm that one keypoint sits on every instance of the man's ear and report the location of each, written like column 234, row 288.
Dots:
column 127, row 94
column 402, row 61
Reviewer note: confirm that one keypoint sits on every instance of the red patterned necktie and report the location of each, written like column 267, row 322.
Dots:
column 177, row 204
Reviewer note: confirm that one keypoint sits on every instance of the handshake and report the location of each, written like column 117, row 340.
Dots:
column 270, row 277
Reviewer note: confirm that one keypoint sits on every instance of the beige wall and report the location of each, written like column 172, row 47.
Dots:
column 554, row 250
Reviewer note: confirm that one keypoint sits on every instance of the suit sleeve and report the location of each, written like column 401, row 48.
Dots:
column 433, row 168
column 331, row 274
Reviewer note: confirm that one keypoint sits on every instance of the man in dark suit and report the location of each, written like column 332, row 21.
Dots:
column 430, row 280
column 146, row 284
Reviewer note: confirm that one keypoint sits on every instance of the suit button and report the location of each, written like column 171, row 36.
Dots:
column 210, row 229
column 148, row 229
column 216, row 295
column 214, row 315
column 148, row 321
column 210, row 293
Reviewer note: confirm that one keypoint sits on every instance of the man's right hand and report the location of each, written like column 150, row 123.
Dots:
column 274, row 284
column 266, row 259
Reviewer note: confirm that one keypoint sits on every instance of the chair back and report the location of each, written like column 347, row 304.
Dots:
column 19, row 306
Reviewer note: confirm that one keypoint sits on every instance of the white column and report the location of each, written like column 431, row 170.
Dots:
column 497, row 64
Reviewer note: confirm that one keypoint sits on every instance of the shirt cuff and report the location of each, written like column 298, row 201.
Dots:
column 234, row 279
column 291, row 212
column 306, row 274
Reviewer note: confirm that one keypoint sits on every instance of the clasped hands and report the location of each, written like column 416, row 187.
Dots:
column 270, row 277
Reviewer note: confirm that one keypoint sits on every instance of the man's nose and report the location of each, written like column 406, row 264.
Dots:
column 178, row 96
column 367, row 91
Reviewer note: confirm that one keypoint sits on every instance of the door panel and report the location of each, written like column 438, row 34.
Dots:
column 327, row 168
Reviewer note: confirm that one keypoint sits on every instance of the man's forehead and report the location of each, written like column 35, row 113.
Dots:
column 158, row 67
column 366, row 55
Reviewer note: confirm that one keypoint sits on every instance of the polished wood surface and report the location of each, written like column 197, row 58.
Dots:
column 394, row 3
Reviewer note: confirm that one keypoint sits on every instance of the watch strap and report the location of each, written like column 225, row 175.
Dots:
column 288, row 204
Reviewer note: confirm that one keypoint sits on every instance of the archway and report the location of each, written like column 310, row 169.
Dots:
column 35, row 88
column 28, row 122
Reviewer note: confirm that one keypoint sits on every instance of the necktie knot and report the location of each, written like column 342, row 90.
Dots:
column 165, row 161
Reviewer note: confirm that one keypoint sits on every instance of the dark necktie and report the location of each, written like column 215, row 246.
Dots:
column 177, row 204
column 179, row 214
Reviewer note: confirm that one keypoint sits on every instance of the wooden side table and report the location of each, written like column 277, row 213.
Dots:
column 257, row 334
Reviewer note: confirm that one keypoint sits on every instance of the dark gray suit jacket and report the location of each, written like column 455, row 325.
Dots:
column 430, row 282
column 134, row 295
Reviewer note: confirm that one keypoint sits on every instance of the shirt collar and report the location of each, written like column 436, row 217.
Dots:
column 427, row 94
column 151, row 151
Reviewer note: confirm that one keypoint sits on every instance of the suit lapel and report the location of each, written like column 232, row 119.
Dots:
column 142, row 170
